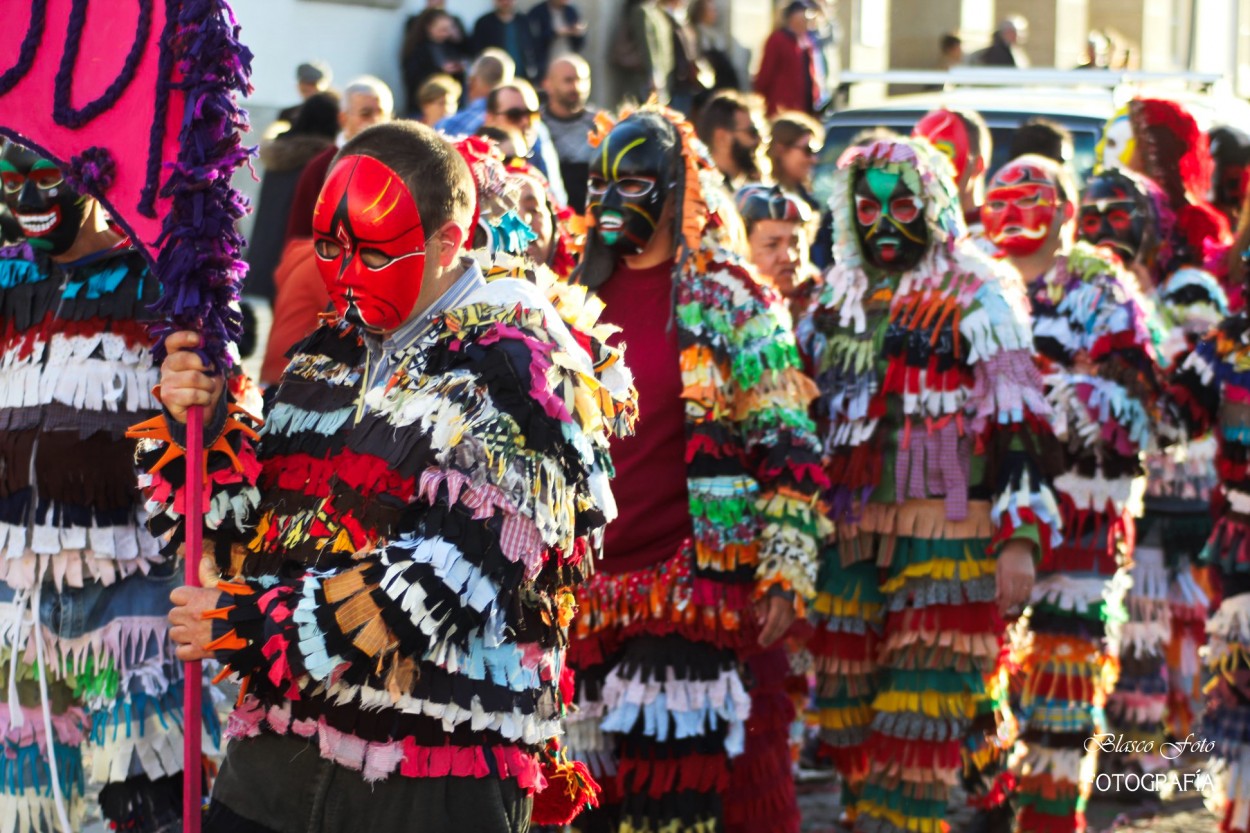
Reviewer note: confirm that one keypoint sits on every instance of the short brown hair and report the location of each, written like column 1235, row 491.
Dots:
column 438, row 86
column 429, row 165
column 787, row 128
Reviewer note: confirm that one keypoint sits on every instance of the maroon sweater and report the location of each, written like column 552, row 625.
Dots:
column 650, row 482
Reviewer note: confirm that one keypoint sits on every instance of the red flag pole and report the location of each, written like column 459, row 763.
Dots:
column 192, row 693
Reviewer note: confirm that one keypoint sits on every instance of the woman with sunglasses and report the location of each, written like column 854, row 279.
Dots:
column 794, row 147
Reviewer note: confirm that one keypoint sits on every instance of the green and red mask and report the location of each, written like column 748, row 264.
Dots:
column 889, row 219
column 49, row 211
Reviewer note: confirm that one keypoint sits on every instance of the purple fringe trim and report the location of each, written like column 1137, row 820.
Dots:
column 199, row 266
column 92, row 172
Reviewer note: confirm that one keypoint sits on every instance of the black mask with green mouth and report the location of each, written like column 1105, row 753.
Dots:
column 633, row 174
column 890, row 220
column 48, row 210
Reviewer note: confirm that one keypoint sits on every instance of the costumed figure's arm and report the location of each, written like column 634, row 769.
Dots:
column 1105, row 395
column 771, row 399
column 230, row 489
column 1011, row 418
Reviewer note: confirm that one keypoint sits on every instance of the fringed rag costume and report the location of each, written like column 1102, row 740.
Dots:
column 85, row 587
column 1130, row 216
column 404, row 533
column 1212, row 387
column 935, row 432
column 718, row 494
column 1092, row 336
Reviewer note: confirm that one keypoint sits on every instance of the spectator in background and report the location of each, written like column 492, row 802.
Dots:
column 433, row 46
column 778, row 225
column 569, row 119
column 823, row 33
column 787, row 75
column 508, row 139
column 951, row 51
column 284, row 159
column 714, row 45
column 492, row 68
column 729, row 127
column 687, row 79
column 1045, row 138
column 515, row 105
column 438, row 98
column 558, row 29
column 794, row 143
column 1230, row 151
column 1098, row 49
column 310, row 78
column 507, row 29
column 1006, row 49
column 299, row 292
column 642, row 51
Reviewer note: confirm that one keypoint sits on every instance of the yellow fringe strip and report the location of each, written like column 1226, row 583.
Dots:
column 929, row 703
column 941, row 569
column 869, row 808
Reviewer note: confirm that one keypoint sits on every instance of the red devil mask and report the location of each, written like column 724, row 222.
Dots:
column 946, row 132
column 1020, row 208
column 370, row 243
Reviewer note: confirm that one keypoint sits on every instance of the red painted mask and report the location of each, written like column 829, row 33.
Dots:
column 946, row 132
column 370, row 243
column 1020, row 208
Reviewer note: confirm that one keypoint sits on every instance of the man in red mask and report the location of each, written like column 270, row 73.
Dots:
column 402, row 538
column 1095, row 352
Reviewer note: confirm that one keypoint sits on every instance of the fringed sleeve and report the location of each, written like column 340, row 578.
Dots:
column 771, row 399
column 1010, row 416
column 229, row 482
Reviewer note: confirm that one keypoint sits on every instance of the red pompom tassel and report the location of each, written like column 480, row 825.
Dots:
column 570, row 788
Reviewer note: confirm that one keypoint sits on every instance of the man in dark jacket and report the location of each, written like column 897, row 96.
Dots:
column 557, row 29
column 507, row 29
column 1005, row 49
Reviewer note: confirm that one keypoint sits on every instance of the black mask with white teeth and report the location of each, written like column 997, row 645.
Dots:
column 48, row 210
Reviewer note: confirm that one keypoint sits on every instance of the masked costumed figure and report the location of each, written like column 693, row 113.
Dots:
column 934, row 429
column 1092, row 337
column 1129, row 215
column 87, row 663
column 1171, row 150
column 1230, row 155
column 715, row 549
column 402, row 537
column 1212, row 388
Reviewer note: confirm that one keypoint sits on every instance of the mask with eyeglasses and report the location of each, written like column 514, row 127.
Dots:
column 628, row 186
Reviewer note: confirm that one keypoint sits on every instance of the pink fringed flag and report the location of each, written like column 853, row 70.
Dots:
column 136, row 100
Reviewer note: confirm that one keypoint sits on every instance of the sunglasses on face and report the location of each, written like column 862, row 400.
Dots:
column 810, row 150
column 516, row 115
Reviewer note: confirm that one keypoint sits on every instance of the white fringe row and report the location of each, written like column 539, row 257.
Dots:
column 1146, row 638
column 1231, row 623
column 678, row 708
column 31, row 811
column 1150, row 578
column 1072, row 766
column 1077, row 594
column 156, row 745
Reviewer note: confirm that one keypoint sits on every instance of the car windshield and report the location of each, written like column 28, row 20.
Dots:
column 1085, row 134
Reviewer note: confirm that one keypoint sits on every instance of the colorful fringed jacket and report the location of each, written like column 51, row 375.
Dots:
column 1182, row 475
column 754, row 477
column 1092, row 334
column 930, row 399
column 1211, row 389
column 75, row 372
column 420, row 510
